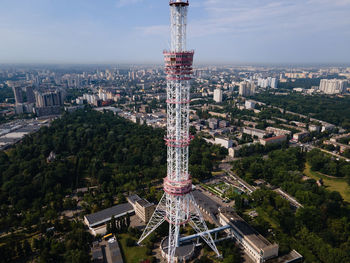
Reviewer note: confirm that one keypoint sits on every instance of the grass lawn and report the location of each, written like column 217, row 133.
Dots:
column 217, row 173
column 211, row 189
column 332, row 184
column 133, row 254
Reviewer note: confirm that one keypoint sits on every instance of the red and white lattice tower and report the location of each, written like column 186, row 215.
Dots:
column 178, row 206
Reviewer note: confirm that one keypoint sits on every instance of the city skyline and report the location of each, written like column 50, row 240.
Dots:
column 231, row 32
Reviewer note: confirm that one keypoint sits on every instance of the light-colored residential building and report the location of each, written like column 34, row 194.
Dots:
column 235, row 152
column 300, row 135
column 327, row 127
column 218, row 95
column 249, row 104
column 144, row 209
column 258, row 248
column 246, row 89
column 254, row 132
column 268, row 83
column 97, row 222
column 227, row 143
column 278, row 131
column 333, row 86
column 314, row 128
column 274, row 140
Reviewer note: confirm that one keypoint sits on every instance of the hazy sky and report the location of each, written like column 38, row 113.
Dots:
column 136, row 31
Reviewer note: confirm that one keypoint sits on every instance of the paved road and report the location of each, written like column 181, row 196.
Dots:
column 311, row 147
column 227, row 168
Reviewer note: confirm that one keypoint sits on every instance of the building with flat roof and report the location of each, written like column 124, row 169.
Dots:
column 144, row 209
column 97, row 222
column 97, row 253
column 254, row 132
column 246, row 89
column 132, row 199
column 17, row 91
column 273, row 140
column 300, row 135
column 249, row 104
column 113, row 253
column 207, row 205
column 258, row 248
column 217, row 95
column 227, row 143
column 235, row 152
column 278, row 131
column 314, row 128
column 333, row 86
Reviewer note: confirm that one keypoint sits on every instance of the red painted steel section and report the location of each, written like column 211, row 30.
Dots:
column 178, row 224
column 178, row 143
column 177, row 188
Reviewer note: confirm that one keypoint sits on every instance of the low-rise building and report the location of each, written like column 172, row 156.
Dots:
column 278, row 131
column 217, row 114
column 342, row 147
column 113, row 253
column 342, row 136
column 97, row 222
column 235, row 152
column 314, row 128
column 249, row 104
column 144, row 209
column 227, row 143
column 96, row 252
column 258, row 248
column 213, row 123
column 254, row 132
column 327, row 127
column 274, row 140
column 300, row 135
column 223, row 124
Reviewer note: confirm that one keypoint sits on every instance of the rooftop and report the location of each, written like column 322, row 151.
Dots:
column 106, row 214
column 275, row 138
column 144, row 203
column 205, row 202
column 113, row 252
column 133, row 198
column 245, row 230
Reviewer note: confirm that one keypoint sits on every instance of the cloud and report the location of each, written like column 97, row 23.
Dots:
column 268, row 16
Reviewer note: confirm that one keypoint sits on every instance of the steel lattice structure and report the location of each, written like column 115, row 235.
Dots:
column 178, row 206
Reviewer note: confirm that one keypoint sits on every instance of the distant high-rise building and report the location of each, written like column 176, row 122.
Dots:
column 218, row 95
column 30, row 95
column 49, row 103
column 19, row 109
column 18, row 94
column 333, row 86
column 268, row 83
column 246, row 89
column 49, row 99
column 274, row 83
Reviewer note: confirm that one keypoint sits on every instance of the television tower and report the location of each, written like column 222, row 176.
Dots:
column 178, row 206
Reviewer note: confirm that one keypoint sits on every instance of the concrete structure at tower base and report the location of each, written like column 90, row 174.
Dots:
column 183, row 253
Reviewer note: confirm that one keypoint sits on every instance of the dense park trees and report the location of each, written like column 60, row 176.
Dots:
column 323, row 163
column 331, row 109
column 91, row 149
column 6, row 92
column 320, row 230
